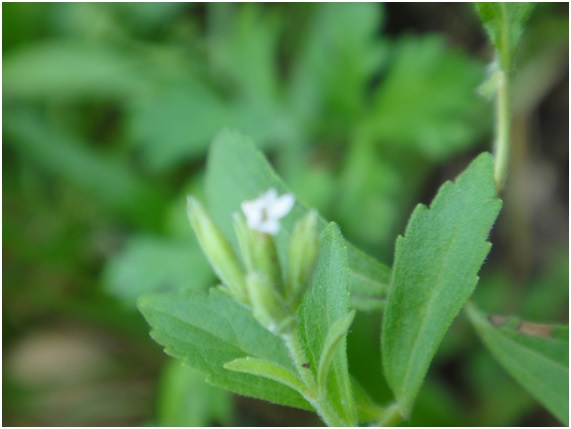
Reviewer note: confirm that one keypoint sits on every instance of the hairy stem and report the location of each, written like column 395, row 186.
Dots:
column 323, row 407
column 503, row 125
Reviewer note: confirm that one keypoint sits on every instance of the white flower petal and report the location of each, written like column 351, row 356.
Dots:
column 281, row 206
column 270, row 227
column 263, row 214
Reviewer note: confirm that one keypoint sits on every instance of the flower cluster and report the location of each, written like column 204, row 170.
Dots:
column 259, row 280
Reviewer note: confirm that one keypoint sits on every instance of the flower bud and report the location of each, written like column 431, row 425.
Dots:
column 258, row 252
column 268, row 307
column 303, row 252
column 218, row 251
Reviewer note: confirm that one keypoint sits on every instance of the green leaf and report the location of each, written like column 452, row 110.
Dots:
column 335, row 337
column 65, row 70
column 102, row 179
column 209, row 330
column 267, row 369
column 434, row 273
column 325, row 305
column 237, row 172
column 427, row 102
column 331, row 89
column 504, row 23
column 536, row 355
column 185, row 399
column 150, row 264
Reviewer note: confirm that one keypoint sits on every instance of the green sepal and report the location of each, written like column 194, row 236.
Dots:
column 218, row 250
column 303, row 252
column 267, row 305
column 258, row 252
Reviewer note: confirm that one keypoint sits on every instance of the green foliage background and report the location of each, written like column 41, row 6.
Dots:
column 364, row 110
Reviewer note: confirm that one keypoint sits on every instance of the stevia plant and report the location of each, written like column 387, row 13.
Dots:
column 290, row 285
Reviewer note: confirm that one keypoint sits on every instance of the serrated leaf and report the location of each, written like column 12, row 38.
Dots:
column 267, row 369
column 434, row 273
column 325, row 303
column 536, row 355
column 237, row 172
column 149, row 264
column 335, row 337
column 504, row 23
column 209, row 330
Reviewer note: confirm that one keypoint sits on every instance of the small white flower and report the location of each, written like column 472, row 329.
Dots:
column 264, row 213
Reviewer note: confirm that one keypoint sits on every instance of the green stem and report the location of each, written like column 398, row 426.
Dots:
column 391, row 416
column 503, row 125
column 317, row 400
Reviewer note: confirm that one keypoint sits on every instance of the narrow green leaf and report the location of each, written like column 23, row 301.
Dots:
column 434, row 273
column 71, row 70
column 504, row 23
column 330, row 89
column 536, row 355
column 267, row 369
column 72, row 159
column 325, row 304
column 335, row 337
column 209, row 330
column 237, row 172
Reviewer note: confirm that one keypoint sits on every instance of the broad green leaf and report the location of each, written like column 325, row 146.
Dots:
column 267, row 369
column 150, row 264
column 185, row 399
column 336, row 336
column 435, row 271
column 238, row 172
column 536, row 355
column 209, row 330
column 324, row 305
column 427, row 102
column 504, row 23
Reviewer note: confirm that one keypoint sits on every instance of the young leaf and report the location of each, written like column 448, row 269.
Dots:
column 267, row 369
column 209, row 330
column 536, row 355
column 325, row 305
column 504, row 23
column 434, row 273
column 335, row 337
column 238, row 172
